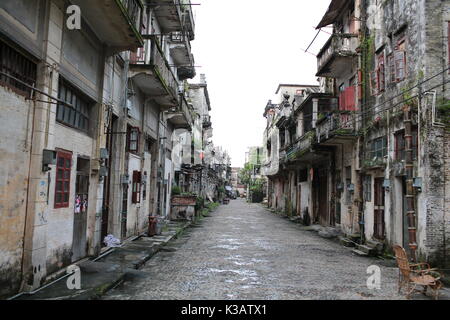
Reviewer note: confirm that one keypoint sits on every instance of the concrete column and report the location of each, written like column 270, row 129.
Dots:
column 35, row 247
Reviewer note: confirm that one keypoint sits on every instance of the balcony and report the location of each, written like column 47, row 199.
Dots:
column 151, row 72
column 336, row 128
column 337, row 54
column 169, row 15
column 181, row 116
column 180, row 50
column 188, row 18
column 299, row 150
column 117, row 23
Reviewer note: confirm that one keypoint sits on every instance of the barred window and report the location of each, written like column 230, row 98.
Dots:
column 18, row 66
column 77, row 114
column 367, row 188
column 400, row 144
column 378, row 148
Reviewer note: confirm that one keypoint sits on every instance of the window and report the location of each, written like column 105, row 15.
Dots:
column 391, row 66
column 136, row 187
column 149, row 142
column 62, row 181
column 400, row 60
column 133, row 139
column 303, row 175
column 400, row 144
column 373, row 83
column 18, row 66
column 380, row 73
column 76, row 113
column 378, row 148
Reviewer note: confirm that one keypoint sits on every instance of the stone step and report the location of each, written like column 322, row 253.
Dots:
column 378, row 246
column 346, row 242
column 354, row 237
column 360, row 253
column 366, row 249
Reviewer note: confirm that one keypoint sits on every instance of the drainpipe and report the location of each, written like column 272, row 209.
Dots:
column 410, row 197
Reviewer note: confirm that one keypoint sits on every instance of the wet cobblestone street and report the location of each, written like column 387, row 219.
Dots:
column 243, row 251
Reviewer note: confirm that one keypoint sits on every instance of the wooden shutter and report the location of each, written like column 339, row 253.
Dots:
column 400, row 59
column 391, row 66
column 136, row 187
column 62, row 180
column 373, row 83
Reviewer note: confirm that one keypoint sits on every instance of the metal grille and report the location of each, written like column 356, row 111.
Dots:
column 18, row 66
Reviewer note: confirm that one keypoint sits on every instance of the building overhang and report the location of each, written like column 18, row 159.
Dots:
column 333, row 12
column 151, row 85
column 116, row 23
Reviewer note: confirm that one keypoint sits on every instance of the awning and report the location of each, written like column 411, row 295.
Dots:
column 332, row 13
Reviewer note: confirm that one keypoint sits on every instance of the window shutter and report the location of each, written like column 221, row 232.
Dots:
column 373, row 83
column 399, row 65
column 391, row 66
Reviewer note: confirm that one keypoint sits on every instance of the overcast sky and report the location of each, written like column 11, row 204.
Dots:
column 246, row 48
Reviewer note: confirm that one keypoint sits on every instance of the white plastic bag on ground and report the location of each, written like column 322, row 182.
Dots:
column 111, row 241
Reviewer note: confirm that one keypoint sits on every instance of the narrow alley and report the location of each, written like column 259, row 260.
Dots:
column 243, row 251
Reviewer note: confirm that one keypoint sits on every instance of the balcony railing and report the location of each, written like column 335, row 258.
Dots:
column 335, row 124
column 188, row 18
column 339, row 45
column 186, row 110
column 134, row 10
column 298, row 148
column 152, row 55
column 347, row 99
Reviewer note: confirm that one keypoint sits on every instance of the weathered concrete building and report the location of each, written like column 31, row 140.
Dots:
column 372, row 151
column 86, row 132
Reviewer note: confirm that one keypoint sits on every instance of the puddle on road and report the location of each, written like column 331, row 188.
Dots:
column 231, row 241
column 225, row 246
column 247, row 273
column 243, row 263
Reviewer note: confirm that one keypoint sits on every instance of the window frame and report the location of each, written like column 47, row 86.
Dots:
column 374, row 150
column 130, row 131
column 400, row 144
column 400, row 49
column 136, row 187
column 15, row 62
column 65, row 155
column 381, row 73
column 77, row 105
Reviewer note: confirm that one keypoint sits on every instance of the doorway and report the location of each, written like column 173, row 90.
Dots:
column 79, row 242
column 323, row 197
column 379, row 225
column 108, row 183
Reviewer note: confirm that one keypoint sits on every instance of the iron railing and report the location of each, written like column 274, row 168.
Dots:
column 134, row 9
column 152, row 55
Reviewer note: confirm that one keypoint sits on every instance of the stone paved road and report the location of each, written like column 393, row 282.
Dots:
column 243, row 251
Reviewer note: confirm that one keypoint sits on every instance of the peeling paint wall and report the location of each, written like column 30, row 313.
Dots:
column 15, row 133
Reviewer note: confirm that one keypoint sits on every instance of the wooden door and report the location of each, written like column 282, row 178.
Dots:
column 379, row 226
